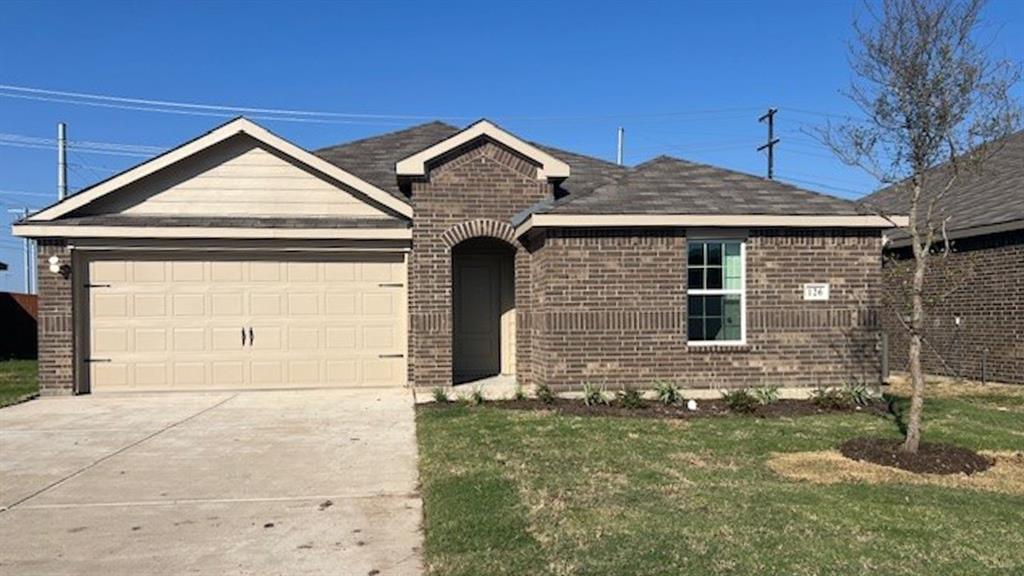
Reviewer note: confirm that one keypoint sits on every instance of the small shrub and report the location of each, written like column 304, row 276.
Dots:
column 439, row 394
column 767, row 395
column 519, row 394
column 831, row 398
column 668, row 393
column 545, row 395
column 476, row 397
column 860, row 394
column 740, row 400
column 593, row 395
column 631, row 399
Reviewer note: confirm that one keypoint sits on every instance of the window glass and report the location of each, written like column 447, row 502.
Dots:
column 715, row 291
column 696, row 254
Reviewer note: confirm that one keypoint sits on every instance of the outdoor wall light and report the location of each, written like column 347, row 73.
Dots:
column 57, row 268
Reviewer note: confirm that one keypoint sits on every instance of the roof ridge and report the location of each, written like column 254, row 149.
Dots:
column 387, row 134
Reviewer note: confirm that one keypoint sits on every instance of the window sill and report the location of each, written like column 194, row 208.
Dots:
column 718, row 347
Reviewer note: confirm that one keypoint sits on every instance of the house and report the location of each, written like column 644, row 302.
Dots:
column 435, row 255
column 974, row 295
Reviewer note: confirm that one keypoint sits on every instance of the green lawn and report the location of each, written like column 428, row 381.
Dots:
column 17, row 380
column 537, row 493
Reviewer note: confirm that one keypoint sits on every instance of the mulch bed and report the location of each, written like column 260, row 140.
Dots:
column 705, row 408
column 931, row 458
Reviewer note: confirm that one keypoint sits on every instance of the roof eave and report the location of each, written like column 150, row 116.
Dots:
column 707, row 220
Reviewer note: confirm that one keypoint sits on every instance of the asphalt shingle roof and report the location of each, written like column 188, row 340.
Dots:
column 992, row 195
column 667, row 185
column 664, row 185
column 373, row 159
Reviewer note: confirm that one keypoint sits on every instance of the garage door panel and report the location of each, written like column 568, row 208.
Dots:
column 264, row 304
column 302, row 339
column 107, row 271
column 186, row 271
column 110, row 373
column 228, row 374
column 189, row 339
column 151, row 375
column 185, row 324
column 341, row 338
column 379, row 371
column 266, row 338
column 303, row 303
column 229, row 304
column 304, row 372
column 265, row 271
column 227, row 338
column 303, row 272
column 381, row 337
column 150, row 339
column 226, row 271
column 342, row 372
column 339, row 303
column 110, row 340
column 191, row 374
column 267, row 373
column 188, row 305
column 149, row 305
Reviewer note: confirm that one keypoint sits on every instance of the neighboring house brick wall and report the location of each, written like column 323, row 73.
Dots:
column 55, row 321
column 482, row 181
column 982, row 282
column 610, row 309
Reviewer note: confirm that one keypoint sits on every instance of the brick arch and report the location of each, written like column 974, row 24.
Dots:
column 481, row 227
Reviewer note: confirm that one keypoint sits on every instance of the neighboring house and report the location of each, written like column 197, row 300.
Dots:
column 433, row 255
column 18, row 321
column 974, row 295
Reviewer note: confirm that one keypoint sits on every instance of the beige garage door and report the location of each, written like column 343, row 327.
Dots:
column 226, row 322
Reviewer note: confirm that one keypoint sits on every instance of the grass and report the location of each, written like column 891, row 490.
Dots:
column 509, row 492
column 17, row 381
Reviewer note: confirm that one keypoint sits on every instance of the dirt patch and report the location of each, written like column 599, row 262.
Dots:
column 940, row 387
column 830, row 467
column 930, row 458
column 651, row 409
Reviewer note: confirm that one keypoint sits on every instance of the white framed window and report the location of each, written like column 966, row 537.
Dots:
column 716, row 292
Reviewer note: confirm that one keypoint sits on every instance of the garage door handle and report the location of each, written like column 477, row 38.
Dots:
column 251, row 339
column 391, row 356
column 243, row 336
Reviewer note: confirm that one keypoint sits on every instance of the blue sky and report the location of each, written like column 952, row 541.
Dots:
column 684, row 78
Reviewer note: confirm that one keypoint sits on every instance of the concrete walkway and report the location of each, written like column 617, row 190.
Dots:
column 261, row 483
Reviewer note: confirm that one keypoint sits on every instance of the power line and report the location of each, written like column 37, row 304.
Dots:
column 296, row 115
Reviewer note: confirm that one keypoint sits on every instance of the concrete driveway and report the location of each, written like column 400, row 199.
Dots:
column 268, row 482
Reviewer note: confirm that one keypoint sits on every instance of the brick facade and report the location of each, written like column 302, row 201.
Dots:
column 982, row 283
column 474, row 191
column 55, row 322
column 610, row 309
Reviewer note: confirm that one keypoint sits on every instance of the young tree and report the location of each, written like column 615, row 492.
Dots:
column 929, row 95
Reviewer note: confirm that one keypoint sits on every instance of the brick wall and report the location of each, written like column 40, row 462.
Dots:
column 55, row 321
column 982, row 283
column 483, row 184
column 610, row 309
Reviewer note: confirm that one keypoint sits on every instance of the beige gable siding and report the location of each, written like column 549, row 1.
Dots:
column 239, row 178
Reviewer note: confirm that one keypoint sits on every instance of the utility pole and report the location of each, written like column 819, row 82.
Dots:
column 618, row 147
column 772, row 140
column 23, row 213
column 62, row 161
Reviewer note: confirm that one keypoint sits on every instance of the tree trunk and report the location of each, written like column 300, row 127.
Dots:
column 913, row 439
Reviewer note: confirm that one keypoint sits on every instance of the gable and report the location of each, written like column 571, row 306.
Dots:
column 545, row 165
column 239, row 177
column 267, row 156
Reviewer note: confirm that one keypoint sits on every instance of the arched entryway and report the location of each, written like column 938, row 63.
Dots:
column 483, row 309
